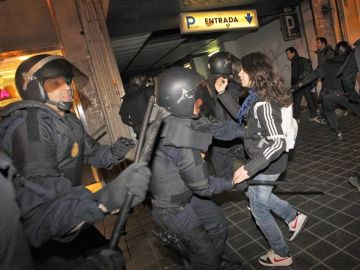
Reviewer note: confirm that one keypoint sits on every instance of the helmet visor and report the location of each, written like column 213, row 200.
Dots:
column 55, row 66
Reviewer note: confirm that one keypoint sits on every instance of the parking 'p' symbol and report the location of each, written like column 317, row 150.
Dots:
column 190, row 20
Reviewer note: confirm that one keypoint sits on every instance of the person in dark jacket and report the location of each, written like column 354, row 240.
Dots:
column 220, row 67
column 265, row 145
column 349, row 71
column 180, row 185
column 48, row 146
column 323, row 50
column 300, row 67
column 334, row 93
column 133, row 107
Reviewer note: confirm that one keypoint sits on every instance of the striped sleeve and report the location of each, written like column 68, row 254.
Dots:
column 273, row 130
column 271, row 121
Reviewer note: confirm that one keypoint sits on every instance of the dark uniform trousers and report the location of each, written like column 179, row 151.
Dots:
column 331, row 100
column 200, row 226
column 306, row 91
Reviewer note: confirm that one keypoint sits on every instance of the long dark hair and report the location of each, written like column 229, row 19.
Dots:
column 266, row 82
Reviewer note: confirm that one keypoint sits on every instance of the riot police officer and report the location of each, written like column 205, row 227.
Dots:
column 334, row 93
column 48, row 146
column 221, row 67
column 349, row 71
column 134, row 103
column 180, row 182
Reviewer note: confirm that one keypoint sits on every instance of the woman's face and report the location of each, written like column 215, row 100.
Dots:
column 244, row 78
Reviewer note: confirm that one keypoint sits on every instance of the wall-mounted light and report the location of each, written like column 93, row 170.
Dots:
column 187, row 65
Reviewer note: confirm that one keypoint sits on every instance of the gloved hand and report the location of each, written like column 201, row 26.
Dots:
column 114, row 260
column 295, row 87
column 221, row 84
column 203, row 123
column 134, row 178
column 353, row 96
column 122, row 146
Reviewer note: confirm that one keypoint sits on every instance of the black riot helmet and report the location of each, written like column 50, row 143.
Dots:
column 342, row 48
column 33, row 72
column 221, row 63
column 176, row 90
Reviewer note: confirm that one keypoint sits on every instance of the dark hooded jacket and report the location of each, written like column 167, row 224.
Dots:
column 325, row 54
column 300, row 67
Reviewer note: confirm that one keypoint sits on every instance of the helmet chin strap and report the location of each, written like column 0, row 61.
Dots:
column 62, row 105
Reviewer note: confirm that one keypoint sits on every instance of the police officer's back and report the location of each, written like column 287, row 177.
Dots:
column 134, row 104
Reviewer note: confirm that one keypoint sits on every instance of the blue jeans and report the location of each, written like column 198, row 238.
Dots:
column 262, row 201
column 200, row 226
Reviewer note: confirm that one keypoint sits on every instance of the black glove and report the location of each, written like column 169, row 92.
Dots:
column 295, row 87
column 134, row 178
column 353, row 96
column 121, row 147
column 202, row 124
column 112, row 259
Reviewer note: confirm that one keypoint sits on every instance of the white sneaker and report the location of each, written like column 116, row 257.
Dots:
column 296, row 226
column 272, row 259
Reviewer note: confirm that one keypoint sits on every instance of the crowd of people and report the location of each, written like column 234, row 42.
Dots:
column 243, row 102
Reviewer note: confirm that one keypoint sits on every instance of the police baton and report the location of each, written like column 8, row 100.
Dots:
column 144, row 149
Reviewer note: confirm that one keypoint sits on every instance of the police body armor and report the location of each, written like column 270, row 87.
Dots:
column 69, row 134
column 167, row 187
